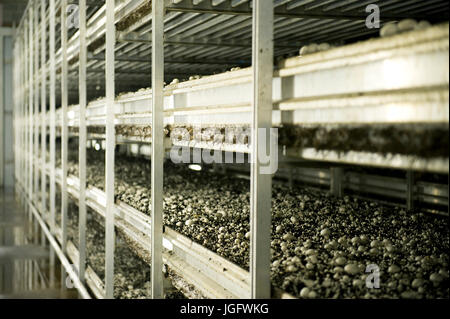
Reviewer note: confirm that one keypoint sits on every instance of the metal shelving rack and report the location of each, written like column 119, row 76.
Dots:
column 121, row 43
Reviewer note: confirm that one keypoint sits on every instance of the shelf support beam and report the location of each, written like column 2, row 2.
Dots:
column 82, row 142
column 136, row 58
column 52, row 136
column 157, row 148
column 110, row 145
column 261, row 183
column 30, row 106
column 135, row 37
column 336, row 181
column 36, row 103
column 244, row 9
column 34, row 274
column 64, row 127
column 410, row 189
column 43, row 108
column 2, row 110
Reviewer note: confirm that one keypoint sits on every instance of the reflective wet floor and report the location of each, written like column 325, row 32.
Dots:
column 25, row 270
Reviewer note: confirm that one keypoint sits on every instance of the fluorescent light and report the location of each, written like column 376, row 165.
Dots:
column 195, row 167
column 167, row 244
column 71, row 115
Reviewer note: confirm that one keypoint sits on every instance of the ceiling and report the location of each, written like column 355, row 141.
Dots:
column 11, row 11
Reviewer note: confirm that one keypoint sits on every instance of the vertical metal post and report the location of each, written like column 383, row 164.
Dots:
column 157, row 147
column 21, row 114
column 22, row 106
column 26, row 108
column 2, row 130
column 17, row 100
column 25, row 111
column 410, row 190
column 64, row 128
column 110, row 144
column 261, row 184
column 82, row 136
column 17, row 88
column 336, row 181
column 52, row 98
column 27, row 272
column 43, row 107
column 43, row 126
column 30, row 109
column 52, row 135
column 291, row 178
column 36, row 104
column 15, row 108
column 21, row 93
column 16, row 75
column 35, row 121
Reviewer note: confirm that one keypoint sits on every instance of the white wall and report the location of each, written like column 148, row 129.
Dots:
column 6, row 109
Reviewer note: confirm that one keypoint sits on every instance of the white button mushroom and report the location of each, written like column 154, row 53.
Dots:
column 340, row 261
column 417, row 283
column 351, row 269
column 291, row 268
column 312, row 294
column 393, row 269
column 313, row 259
column 388, row 30
column 325, row 232
column 435, row 278
column 288, row 237
column 303, row 50
column 324, row 47
column 407, row 25
column 304, row 293
column 423, row 25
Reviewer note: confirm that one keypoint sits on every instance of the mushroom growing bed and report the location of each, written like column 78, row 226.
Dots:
column 131, row 274
column 321, row 245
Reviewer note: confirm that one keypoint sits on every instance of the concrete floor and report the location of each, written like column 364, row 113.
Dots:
column 24, row 259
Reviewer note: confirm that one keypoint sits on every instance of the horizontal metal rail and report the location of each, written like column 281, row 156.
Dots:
column 368, row 184
column 286, row 10
column 417, row 84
